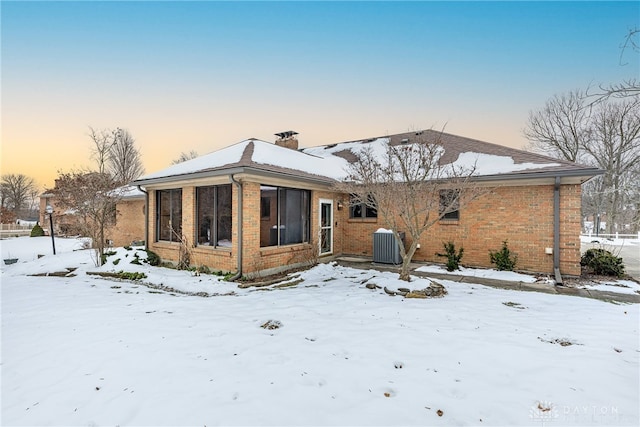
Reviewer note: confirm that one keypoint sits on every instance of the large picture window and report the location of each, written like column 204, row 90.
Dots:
column 285, row 214
column 214, row 215
column 358, row 209
column 169, row 215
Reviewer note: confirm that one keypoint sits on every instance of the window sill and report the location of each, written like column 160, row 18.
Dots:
column 217, row 249
column 449, row 222
column 166, row 242
column 273, row 250
column 365, row 220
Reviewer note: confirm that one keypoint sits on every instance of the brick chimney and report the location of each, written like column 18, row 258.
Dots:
column 287, row 139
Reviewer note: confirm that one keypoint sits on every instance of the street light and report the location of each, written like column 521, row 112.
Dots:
column 49, row 210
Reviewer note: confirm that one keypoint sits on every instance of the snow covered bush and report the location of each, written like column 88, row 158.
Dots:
column 153, row 258
column 601, row 261
column 503, row 259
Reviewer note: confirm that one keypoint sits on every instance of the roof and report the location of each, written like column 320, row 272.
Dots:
column 328, row 163
column 251, row 155
column 129, row 192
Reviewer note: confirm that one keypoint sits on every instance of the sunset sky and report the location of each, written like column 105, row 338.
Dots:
column 184, row 76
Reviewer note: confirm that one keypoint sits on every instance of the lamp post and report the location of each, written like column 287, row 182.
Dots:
column 49, row 210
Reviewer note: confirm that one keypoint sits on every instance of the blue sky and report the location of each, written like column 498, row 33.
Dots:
column 203, row 75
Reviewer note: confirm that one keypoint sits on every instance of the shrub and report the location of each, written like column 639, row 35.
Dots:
column 153, row 258
column 104, row 256
column 128, row 275
column 37, row 231
column 453, row 256
column 601, row 261
column 503, row 259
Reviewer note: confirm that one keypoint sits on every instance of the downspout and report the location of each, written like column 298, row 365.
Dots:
column 146, row 218
column 239, row 188
column 556, row 231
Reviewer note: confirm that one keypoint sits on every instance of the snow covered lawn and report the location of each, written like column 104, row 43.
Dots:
column 84, row 350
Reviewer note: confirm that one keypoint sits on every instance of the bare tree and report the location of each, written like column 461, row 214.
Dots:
column 410, row 189
column 114, row 152
column 629, row 87
column 102, row 141
column 125, row 163
column 560, row 128
column 605, row 134
column 18, row 193
column 183, row 157
column 91, row 196
column 614, row 146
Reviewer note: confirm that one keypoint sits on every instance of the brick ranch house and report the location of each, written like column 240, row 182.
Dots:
column 257, row 208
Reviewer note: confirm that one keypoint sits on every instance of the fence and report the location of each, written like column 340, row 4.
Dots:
column 10, row 230
column 15, row 227
column 613, row 236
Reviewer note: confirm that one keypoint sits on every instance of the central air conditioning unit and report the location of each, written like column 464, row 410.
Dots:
column 385, row 248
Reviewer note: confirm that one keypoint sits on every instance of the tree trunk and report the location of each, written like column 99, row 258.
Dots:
column 405, row 273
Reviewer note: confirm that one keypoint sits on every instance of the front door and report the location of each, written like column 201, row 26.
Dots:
column 326, row 226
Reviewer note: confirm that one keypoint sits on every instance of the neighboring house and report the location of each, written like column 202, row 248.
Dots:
column 129, row 221
column 65, row 223
column 256, row 207
column 130, row 218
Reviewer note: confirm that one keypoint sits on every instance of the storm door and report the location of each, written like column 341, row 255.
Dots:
column 326, row 226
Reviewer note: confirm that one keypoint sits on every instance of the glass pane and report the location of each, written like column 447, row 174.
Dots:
column 371, row 212
column 325, row 240
column 287, row 222
column 164, row 215
column 223, row 213
column 205, row 197
column 176, row 214
column 269, row 218
column 325, row 215
column 291, row 216
column 305, row 211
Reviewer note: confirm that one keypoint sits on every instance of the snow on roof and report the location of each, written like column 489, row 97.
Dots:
column 332, row 161
column 257, row 154
column 130, row 192
column 491, row 164
column 226, row 156
column 266, row 153
column 485, row 164
column 127, row 192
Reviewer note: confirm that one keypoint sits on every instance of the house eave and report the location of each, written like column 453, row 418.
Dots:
column 241, row 170
column 567, row 176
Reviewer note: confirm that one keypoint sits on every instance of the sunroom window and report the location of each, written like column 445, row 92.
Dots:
column 284, row 216
column 214, row 215
column 169, row 215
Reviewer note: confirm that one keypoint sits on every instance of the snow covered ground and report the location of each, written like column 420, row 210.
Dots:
column 510, row 276
column 84, row 350
column 608, row 240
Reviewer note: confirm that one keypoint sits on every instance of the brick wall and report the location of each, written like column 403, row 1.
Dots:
column 129, row 225
column 521, row 215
